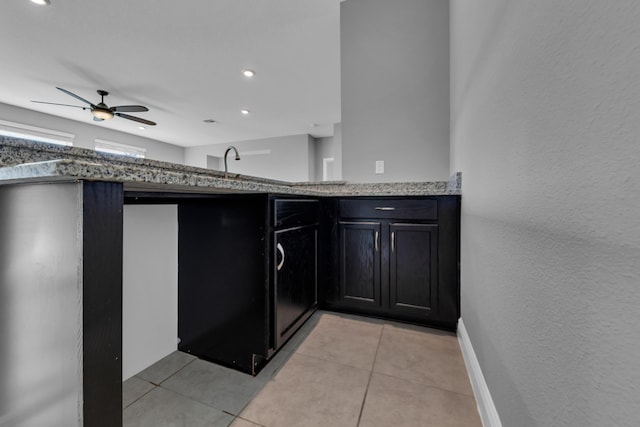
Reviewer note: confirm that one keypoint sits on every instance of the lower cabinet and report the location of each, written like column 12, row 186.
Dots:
column 223, row 285
column 247, row 275
column 397, row 258
column 294, row 269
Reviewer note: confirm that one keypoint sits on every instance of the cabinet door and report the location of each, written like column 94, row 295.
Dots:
column 295, row 274
column 413, row 265
column 360, row 264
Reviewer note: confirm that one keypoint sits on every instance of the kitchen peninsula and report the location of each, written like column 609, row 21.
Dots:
column 291, row 247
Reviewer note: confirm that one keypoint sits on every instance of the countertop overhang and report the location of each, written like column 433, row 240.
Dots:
column 24, row 161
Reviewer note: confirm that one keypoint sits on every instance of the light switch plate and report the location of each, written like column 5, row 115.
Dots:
column 379, row 166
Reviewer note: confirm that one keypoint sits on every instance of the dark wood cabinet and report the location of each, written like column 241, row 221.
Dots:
column 247, row 275
column 395, row 258
column 295, row 275
column 223, row 292
column 294, row 269
column 359, row 249
column 413, row 269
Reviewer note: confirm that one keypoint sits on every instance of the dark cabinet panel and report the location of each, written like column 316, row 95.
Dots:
column 423, row 209
column 222, row 293
column 295, row 212
column 396, row 257
column 413, row 269
column 102, row 303
column 360, row 263
column 245, row 286
column 295, row 273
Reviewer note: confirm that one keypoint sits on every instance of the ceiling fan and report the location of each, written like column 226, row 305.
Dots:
column 102, row 112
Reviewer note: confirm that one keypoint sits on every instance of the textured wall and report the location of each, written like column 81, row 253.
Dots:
column 545, row 126
column 395, row 89
column 41, row 305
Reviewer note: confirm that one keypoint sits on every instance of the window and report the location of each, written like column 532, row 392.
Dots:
column 19, row 130
column 122, row 149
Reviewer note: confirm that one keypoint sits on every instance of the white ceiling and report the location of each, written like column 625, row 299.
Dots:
column 181, row 59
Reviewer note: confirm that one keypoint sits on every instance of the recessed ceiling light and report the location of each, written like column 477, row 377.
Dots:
column 42, row 2
column 248, row 73
column 209, row 121
column 141, row 127
column 245, row 112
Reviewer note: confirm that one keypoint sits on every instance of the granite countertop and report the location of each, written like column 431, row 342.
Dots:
column 23, row 161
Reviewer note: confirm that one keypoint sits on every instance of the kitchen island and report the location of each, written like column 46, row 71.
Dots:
column 61, row 266
column 34, row 161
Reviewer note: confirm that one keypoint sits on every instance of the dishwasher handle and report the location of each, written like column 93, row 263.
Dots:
column 281, row 250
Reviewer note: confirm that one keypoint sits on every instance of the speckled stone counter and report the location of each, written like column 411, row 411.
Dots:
column 26, row 161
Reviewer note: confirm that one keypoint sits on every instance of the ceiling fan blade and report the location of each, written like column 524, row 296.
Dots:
column 64, row 105
column 136, row 119
column 76, row 96
column 130, row 108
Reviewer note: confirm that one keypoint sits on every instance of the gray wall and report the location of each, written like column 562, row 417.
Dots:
column 87, row 133
column 329, row 147
column 395, row 89
column 287, row 158
column 149, row 285
column 41, row 305
column 546, row 133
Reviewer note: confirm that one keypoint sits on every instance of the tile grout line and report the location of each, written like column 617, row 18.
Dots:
column 178, row 393
column 156, row 385
column 249, row 401
column 143, row 395
column 238, row 417
column 196, row 401
column 199, row 401
column 172, row 375
column 364, row 398
column 427, row 385
column 264, row 384
column 207, row 403
column 313, row 356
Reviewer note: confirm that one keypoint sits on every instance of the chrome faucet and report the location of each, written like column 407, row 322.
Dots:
column 231, row 147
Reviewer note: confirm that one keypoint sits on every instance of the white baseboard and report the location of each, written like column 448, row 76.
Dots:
column 486, row 408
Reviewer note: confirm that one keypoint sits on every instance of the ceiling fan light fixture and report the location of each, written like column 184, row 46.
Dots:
column 41, row 2
column 102, row 113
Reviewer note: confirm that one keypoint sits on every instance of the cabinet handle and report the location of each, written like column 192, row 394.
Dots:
column 385, row 208
column 393, row 241
column 377, row 243
column 281, row 250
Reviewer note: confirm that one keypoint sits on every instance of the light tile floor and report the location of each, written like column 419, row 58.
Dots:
column 338, row 370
